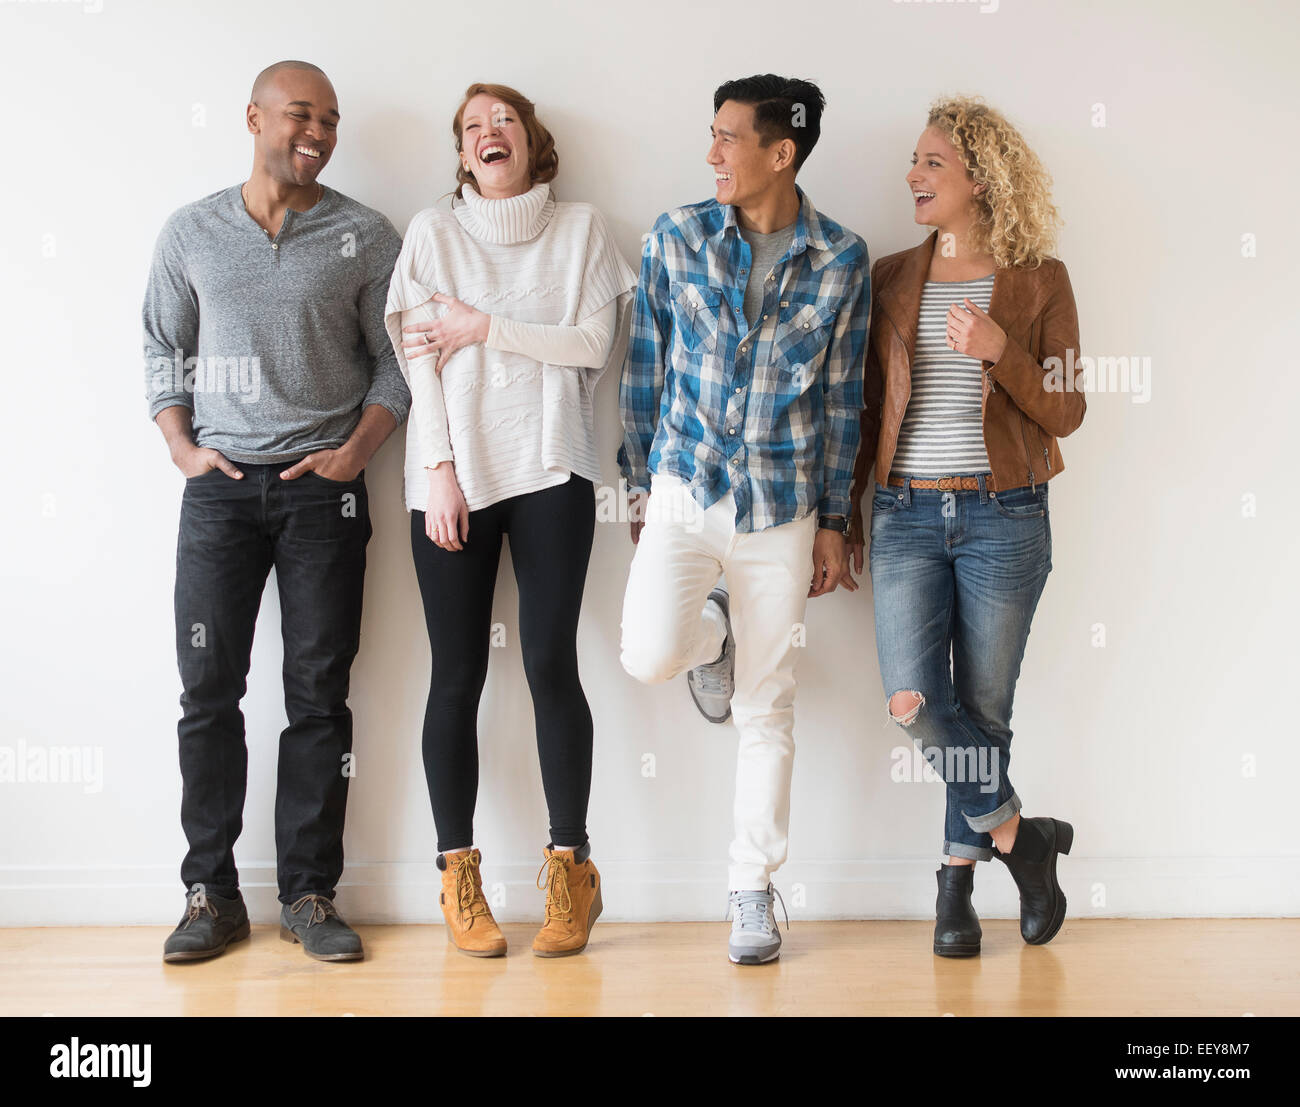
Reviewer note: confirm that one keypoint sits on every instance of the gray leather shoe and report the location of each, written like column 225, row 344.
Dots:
column 713, row 685
column 315, row 922
column 209, row 925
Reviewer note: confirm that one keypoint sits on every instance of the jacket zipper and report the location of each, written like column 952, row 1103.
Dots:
column 984, row 402
column 1025, row 441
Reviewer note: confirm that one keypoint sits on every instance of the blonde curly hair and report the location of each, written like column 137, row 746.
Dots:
column 1017, row 220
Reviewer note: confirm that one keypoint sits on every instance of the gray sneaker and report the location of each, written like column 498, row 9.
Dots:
column 713, row 685
column 755, row 938
column 315, row 922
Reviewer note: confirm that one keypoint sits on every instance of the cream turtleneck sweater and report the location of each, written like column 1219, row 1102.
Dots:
column 514, row 414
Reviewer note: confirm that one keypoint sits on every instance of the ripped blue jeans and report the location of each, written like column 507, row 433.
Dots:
column 956, row 577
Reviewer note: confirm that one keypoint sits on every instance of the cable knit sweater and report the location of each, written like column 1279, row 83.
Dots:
column 518, row 417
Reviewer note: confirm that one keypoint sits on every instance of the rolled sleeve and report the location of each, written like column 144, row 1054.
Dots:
column 843, row 388
column 387, row 385
column 642, row 384
column 171, row 325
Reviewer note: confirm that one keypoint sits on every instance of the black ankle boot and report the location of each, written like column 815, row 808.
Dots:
column 956, row 928
column 1032, row 862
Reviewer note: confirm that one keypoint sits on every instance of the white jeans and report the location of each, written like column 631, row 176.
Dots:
column 667, row 630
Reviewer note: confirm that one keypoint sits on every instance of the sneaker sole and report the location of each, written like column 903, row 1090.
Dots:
column 718, row 719
column 287, row 935
column 711, row 718
column 597, row 906
column 752, row 958
column 700, row 708
column 239, row 935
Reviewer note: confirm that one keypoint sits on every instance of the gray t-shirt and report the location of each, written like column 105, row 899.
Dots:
column 765, row 251
column 276, row 345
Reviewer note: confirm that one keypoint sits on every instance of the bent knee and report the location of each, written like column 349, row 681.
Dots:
column 649, row 666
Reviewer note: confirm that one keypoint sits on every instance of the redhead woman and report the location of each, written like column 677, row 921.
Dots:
column 503, row 312
column 965, row 401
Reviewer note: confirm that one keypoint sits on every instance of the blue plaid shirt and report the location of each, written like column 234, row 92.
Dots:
column 771, row 412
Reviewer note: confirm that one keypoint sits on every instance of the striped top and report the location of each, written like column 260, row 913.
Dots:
column 942, row 432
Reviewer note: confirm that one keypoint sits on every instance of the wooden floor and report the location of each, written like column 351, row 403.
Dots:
column 1093, row 967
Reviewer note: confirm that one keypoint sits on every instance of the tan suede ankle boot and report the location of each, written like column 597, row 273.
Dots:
column 573, row 904
column 470, row 925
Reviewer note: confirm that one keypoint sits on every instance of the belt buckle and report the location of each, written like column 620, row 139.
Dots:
column 948, row 484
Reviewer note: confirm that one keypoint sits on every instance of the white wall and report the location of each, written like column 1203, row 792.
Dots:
column 115, row 117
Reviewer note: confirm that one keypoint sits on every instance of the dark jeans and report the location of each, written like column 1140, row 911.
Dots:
column 550, row 533
column 956, row 578
column 314, row 531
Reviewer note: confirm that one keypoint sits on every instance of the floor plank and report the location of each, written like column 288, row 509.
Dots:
column 1093, row 967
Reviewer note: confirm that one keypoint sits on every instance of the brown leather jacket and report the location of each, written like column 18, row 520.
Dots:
column 1022, row 417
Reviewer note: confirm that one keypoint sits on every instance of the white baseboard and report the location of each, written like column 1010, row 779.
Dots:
column 669, row 891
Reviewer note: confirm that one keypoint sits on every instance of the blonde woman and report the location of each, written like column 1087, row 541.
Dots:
column 964, row 406
column 504, row 312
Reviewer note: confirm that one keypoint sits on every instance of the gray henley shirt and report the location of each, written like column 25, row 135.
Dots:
column 275, row 345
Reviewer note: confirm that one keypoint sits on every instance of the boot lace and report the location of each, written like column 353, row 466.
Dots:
column 714, row 679
column 754, row 910
column 469, row 894
column 198, row 904
column 321, row 909
column 553, row 877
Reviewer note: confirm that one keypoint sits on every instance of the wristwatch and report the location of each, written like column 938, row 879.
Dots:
column 833, row 522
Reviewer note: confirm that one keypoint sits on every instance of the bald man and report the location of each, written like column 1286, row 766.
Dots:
column 272, row 379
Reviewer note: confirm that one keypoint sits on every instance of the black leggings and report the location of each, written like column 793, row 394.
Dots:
column 550, row 544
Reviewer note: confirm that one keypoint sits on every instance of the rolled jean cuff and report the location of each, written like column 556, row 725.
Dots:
column 972, row 853
column 985, row 823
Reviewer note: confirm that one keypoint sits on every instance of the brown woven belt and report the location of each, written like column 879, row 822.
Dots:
column 946, row 484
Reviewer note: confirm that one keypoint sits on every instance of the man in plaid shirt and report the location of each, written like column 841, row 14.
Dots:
column 740, row 401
